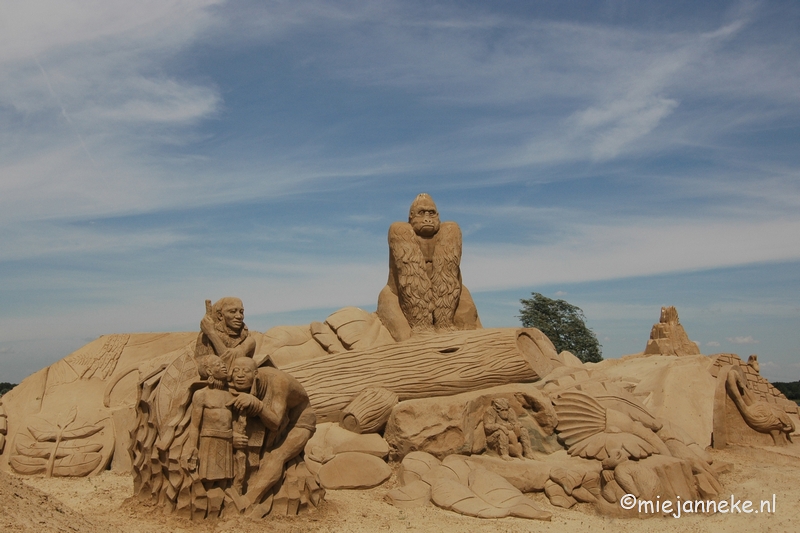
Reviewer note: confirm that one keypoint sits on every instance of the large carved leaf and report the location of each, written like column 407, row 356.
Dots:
column 173, row 395
column 43, row 435
column 76, row 464
column 173, row 391
column 27, row 465
column 44, row 449
column 30, row 448
column 83, row 431
column 71, row 416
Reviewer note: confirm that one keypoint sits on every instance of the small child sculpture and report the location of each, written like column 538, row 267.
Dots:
column 210, row 441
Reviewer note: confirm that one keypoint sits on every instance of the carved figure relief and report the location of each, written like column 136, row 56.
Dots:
column 760, row 416
column 748, row 409
column 215, row 436
column 424, row 292
column 504, row 434
column 209, row 448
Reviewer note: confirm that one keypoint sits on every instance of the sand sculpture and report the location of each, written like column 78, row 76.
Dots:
column 231, row 421
column 668, row 336
column 424, row 292
column 747, row 408
column 211, row 439
column 504, row 434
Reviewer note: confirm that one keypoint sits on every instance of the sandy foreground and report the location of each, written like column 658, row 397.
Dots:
column 99, row 504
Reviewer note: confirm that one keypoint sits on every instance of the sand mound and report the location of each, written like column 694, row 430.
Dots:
column 25, row 508
column 103, row 503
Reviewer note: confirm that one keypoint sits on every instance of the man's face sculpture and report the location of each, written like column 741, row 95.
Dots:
column 233, row 315
column 424, row 217
column 243, row 373
column 217, row 368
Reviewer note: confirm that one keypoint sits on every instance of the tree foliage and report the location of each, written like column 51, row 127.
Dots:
column 563, row 323
column 789, row 389
column 5, row 387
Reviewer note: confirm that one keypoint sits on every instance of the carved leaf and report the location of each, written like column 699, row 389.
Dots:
column 81, row 432
column 77, row 464
column 27, row 465
column 34, row 449
column 43, row 435
column 67, row 448
column 73, row 413
column 173, row 391
column 44, row 449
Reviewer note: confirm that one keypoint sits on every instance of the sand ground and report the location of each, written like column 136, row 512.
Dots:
column 99, row 504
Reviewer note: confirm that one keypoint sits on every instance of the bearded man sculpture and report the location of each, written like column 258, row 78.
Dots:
column 424, row 293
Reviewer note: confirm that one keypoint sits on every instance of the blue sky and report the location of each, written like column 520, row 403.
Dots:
column 619, row 155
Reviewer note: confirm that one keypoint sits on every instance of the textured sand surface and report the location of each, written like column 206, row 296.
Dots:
column 99, row 504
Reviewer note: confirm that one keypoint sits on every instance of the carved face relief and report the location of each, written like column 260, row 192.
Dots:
column 501, row 406
column 243, row 372
column 233, row 315
column 424, row 217
column 217, row 368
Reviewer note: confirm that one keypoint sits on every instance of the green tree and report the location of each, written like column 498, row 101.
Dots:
column 5, row 387
column 564, row 324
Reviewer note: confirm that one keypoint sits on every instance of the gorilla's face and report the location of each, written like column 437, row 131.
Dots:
column 424, row 218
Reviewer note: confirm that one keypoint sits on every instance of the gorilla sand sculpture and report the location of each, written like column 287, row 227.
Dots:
column 424, row 292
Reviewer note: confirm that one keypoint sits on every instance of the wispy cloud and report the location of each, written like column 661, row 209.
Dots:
column 742, row 340
column 167, row 151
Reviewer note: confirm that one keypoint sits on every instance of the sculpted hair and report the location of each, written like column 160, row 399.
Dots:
column 204, row 365
column 227, row 301
column 421, row 196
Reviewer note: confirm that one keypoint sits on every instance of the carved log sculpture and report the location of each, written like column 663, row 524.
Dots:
column 425, row 366
column 369, row 411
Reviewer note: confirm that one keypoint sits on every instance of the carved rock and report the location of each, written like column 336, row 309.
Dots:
column 668, row 336
column 454, row 424
column 347, row 329
column 353, row 470
column 329, row 440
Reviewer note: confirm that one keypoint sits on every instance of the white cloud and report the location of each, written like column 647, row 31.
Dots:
column 715, row 344
column 742, row 340
column 85, row 97
column 639, row 247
